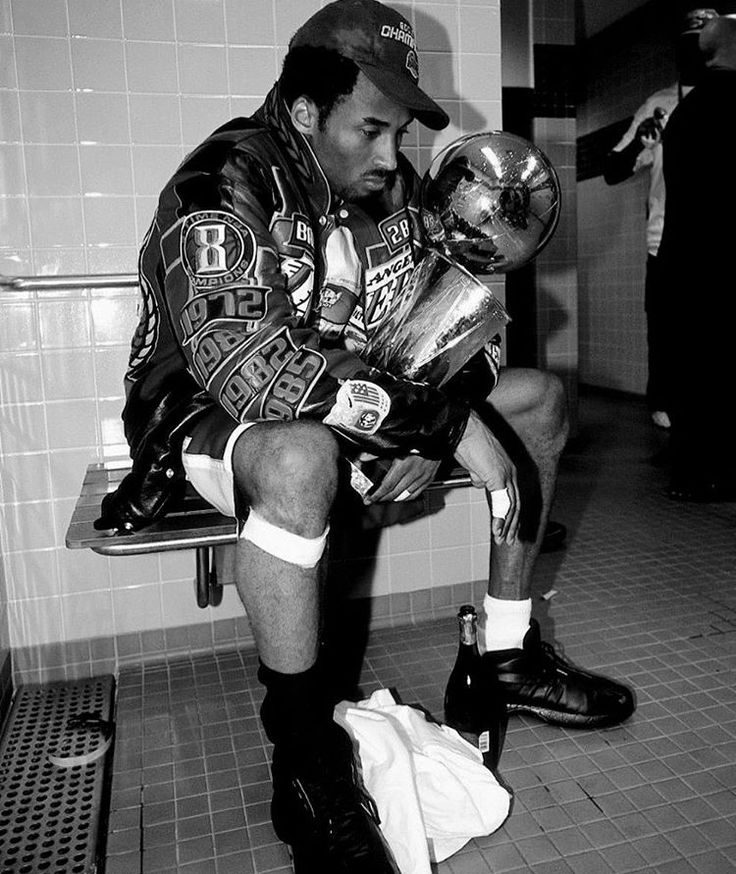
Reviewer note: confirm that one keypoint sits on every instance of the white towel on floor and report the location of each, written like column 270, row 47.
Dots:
column 431, row 788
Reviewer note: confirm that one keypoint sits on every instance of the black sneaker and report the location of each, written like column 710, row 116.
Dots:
column 322, row 810
column 538, row 681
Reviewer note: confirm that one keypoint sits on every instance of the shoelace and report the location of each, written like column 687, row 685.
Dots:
column 552, row 659
column 547, row 661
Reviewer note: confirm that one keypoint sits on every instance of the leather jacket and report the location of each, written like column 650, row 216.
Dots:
column 258, row 289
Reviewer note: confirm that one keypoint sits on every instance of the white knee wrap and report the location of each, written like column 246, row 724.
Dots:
column 302, row 551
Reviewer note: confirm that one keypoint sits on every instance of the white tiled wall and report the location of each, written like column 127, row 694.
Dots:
column 99, row 100
column 613, row 252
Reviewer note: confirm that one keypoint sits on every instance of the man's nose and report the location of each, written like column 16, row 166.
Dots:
column 385, row 156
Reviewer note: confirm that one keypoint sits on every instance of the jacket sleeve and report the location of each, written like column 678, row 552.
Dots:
column 238, row 265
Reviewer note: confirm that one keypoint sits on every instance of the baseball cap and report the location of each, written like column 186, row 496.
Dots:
column 381, row 42
column 695, row 19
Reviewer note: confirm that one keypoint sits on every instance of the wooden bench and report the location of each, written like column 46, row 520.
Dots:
column 190, row 524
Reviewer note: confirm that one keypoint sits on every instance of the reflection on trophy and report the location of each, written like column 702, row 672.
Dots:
column 490, row 203
column 443, row 317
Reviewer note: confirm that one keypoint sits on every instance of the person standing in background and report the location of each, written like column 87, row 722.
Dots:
column 696, row 256
column 640, row 150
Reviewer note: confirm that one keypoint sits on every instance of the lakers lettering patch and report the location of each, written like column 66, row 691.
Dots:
column 360, row 407
column 217, row 248
column 382, row 284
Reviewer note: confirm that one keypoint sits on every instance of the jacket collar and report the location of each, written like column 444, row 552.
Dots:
column 274, row 114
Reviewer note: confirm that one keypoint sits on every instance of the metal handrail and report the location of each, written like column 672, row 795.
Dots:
column 68, row 283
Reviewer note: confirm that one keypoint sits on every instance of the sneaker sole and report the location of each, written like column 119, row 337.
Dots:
column 566, row 720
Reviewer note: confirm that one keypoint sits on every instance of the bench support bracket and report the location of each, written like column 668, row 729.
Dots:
column 207, row 587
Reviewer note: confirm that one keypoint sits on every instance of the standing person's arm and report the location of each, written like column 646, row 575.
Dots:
column 633, row 151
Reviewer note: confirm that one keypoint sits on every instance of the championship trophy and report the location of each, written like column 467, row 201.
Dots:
column 490, row 203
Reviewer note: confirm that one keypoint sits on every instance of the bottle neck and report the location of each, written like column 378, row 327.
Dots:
column 468, row 629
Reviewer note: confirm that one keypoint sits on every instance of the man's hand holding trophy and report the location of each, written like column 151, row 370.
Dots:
column 490, row 202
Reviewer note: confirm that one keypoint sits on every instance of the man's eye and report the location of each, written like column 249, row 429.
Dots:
column 370, row 132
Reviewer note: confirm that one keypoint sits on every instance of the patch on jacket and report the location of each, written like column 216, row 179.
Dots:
column 360, row 407
column 216, row 247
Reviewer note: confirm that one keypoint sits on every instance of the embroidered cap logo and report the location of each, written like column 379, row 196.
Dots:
column 404, row 34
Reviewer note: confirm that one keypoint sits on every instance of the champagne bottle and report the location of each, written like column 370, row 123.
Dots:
column 471, row 707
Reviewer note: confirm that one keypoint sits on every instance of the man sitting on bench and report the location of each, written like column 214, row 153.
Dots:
column 260, row 282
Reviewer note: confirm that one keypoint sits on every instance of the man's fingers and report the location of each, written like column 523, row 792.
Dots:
column 514, row 516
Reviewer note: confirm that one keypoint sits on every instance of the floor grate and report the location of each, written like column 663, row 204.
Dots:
column 55, row 762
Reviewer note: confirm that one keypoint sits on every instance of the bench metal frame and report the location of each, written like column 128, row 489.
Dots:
column 190, row 524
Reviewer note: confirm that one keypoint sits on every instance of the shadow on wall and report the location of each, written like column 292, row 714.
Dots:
column 557, row 318
column 438, row 80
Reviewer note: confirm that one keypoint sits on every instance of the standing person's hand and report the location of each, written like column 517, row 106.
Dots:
column 490, row 468
column 650, row 130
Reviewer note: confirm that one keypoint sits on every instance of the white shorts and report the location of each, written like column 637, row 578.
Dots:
column 207, row 455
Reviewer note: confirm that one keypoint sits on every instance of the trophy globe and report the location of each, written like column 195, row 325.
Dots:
column 490, row 202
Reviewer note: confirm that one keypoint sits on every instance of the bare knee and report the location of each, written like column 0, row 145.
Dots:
column 289, row 474
column 534, row 404
column 301, row 453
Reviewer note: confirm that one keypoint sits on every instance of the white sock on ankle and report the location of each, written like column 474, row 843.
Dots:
column 506, row 622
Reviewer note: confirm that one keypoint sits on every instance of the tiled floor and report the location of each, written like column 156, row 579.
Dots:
column 645, row 591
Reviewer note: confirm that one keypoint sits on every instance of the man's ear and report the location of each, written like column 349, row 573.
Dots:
column 304, row 115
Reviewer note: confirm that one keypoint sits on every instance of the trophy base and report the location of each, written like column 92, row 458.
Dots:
column 366, row 472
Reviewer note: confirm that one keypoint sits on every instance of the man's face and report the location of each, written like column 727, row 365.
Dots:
column 358, row 143
column 690, row 61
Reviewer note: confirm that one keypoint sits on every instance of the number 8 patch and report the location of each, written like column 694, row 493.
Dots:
column 216, row 248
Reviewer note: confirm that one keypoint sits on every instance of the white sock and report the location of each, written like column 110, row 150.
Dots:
column 506, row 622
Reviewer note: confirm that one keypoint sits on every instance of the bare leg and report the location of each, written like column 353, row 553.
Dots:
column 527, row 411
column 527, row 414
column 287, row 473
column 531, row 422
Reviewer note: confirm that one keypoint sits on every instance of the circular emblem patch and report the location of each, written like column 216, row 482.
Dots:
column 216, row 248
